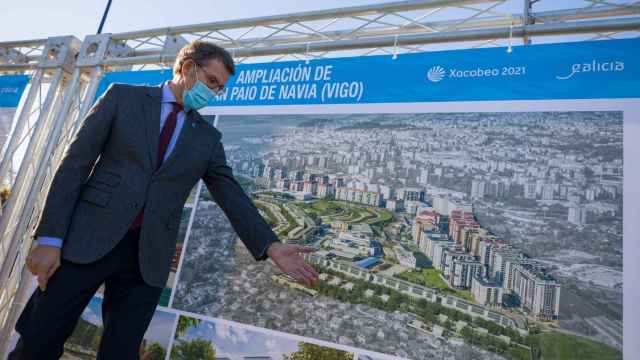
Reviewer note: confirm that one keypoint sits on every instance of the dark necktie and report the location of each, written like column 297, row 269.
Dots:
column 165, row 137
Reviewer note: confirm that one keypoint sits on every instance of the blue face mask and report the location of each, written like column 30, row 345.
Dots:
column 198, row 96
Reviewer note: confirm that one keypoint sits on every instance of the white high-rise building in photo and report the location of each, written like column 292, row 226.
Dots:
column 477, row 189
column 539, row 293
column 486, row 292
column 423, row 179
column 577, row 214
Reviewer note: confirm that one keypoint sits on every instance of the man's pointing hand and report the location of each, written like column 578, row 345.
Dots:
column 287, row 257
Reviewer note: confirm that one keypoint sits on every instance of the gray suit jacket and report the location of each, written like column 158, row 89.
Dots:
column 107, row 175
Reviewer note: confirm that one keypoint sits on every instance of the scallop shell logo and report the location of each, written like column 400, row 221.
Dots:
column 436, row 74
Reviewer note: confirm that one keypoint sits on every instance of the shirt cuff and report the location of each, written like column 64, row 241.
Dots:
column 263, row 254
column 50, row 241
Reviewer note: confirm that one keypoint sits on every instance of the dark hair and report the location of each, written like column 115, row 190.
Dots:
column 201, row 52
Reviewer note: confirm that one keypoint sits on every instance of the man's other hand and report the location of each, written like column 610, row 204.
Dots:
column 287, row 257
column 43, row 261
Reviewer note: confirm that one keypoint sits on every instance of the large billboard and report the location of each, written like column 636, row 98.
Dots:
column 462, row 204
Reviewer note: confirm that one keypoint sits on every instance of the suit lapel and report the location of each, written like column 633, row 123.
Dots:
column 186, row 137
column 152, row 122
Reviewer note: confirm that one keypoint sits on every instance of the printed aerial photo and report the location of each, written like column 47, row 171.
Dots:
column 446, row 236
column 85, row 340
column 197, row 339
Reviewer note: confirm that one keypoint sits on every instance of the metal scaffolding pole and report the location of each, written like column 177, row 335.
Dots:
column 626, row 24
column 419, row 27
column 56, row 59
column 345, row 12
column 378, row 28
column 15, row 208
column 527, row 19
column 50, row 141
column 22, row 120
column 15, row 204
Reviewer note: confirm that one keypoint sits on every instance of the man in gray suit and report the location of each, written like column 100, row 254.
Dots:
column 114, row 208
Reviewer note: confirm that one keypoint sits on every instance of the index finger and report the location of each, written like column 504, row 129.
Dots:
column 305, row 249
column 311, row 270
column 43, row 278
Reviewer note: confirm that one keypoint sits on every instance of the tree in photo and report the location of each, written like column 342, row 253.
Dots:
column 85, row 337
column 155, row 351
column 184, row 323
column 196, row 349
column 308, row 351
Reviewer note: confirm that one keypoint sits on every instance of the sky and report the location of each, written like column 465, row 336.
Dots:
column 32, row 19
column 236, row 342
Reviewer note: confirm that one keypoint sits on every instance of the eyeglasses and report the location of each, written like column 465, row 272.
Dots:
column 212, row 80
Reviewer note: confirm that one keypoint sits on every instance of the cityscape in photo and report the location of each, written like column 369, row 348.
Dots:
column 460, row 234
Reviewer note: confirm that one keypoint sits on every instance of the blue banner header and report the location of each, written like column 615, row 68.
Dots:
column 11, row 88
column 582, row 70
